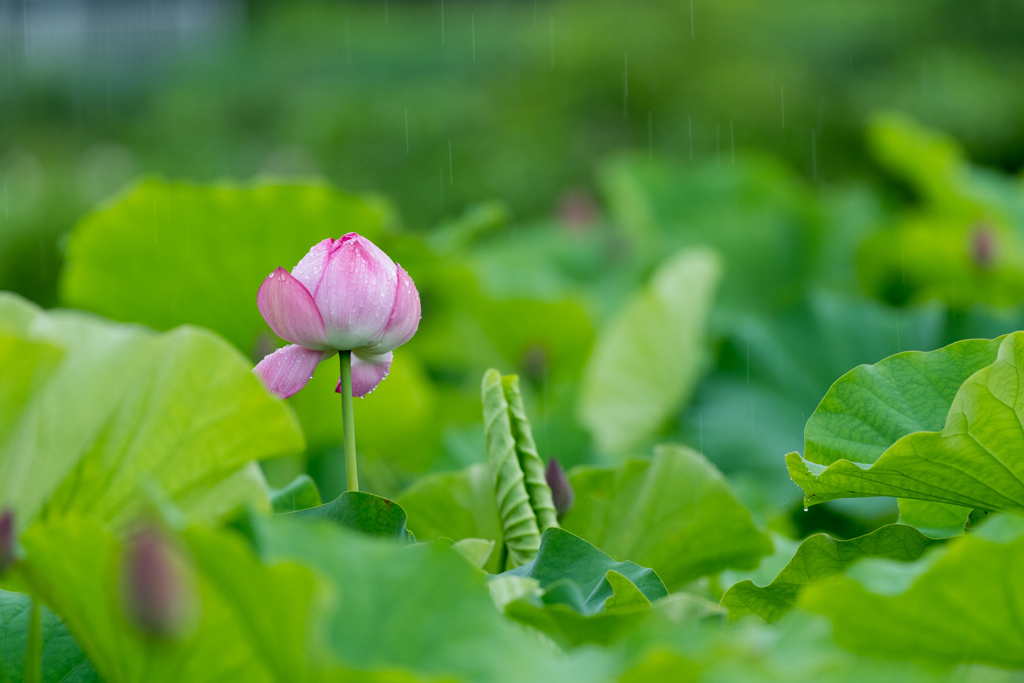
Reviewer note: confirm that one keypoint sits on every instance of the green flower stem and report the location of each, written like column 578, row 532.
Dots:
column 34, row 648
column 348, row 421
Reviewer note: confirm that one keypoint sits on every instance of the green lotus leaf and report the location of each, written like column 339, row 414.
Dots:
column 974, row 461
column 674, row 514
column 122, row 408
column 821, row 556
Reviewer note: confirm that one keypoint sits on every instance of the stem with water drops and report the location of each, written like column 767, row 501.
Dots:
column 348, row 421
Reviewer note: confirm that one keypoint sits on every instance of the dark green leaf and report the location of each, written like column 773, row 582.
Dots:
column 62, row 662
column 363, row 512
column 674, row 514
column 820, row 557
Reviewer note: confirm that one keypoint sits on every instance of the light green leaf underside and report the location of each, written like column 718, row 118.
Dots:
column 938, row 520
column 124, row 408
column 965, row 608
column 872, row 406
column 519, row 523
column 674, row 514
column 646, row 362
column 62, row 659
column 197, row 254
column 976, row 460
column 821, row 556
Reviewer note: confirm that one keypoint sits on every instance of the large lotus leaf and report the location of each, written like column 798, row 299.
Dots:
column 126, row 407
column 62, row 659
column 74, row 565
column 168, row 253
column 974, row 461
column 585, row 596
column 872, row 406
column 963, row 606
column 455, row 505
column 647, row 361
column 674, row 514
column 420, row 608
column 821, row 556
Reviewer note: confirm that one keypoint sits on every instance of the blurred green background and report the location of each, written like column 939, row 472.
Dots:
column 846, row 170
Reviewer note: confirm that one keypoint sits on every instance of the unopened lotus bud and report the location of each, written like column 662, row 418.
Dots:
column 983, row 246
column 156, row 593
column 8, row 552
column 577, row 209
column 561, row 490
column 535, row 363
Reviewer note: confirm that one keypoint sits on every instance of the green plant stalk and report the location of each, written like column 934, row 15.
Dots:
column 348, row 421
column 34, row 648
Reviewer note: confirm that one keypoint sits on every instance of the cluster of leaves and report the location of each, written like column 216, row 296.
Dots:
column 731, row 308
column 343, row 591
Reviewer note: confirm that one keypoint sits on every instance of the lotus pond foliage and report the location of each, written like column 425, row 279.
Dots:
column 576, row 468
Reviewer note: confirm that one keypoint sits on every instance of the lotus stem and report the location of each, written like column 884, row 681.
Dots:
column 348, row 421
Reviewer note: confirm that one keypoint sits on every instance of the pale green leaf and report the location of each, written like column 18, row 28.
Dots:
column 455, row 505
column 126, row 407
column 938, row 520
column 647, row 361
column 197, row 254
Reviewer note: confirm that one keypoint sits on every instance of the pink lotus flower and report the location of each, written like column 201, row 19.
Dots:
column 345, row 294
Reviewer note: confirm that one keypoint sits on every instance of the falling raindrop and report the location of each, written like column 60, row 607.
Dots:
column 782, row 95
column 689, row 126
column 625, row 85
column 732, row 144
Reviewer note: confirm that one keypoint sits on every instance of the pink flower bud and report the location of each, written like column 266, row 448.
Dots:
column 344, row 295
column 156, row 595
column 561, row 490
column 8, row 541
column 983, row 246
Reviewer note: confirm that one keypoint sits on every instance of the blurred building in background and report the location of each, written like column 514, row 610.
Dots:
column 118, row 38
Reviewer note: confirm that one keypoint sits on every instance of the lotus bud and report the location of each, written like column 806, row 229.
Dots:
column 983, row 246
column 156, row 593
column 8, row 550
column 344, row 295
column 561, row 490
